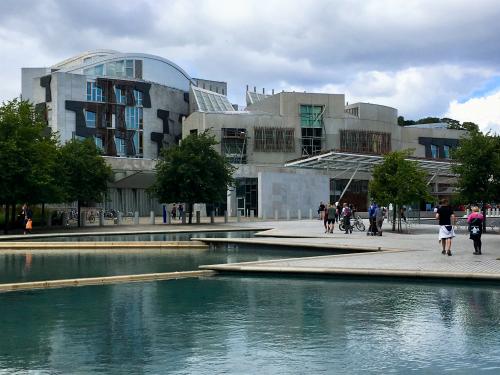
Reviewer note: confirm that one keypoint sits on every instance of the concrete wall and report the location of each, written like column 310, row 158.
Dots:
column 168, row 99
column 291, row 190
column 66, row 86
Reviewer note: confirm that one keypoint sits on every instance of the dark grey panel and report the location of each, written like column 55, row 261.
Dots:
column 45, row 83
column 440, row 142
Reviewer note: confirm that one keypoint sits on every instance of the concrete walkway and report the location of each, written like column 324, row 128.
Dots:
column 414, row 254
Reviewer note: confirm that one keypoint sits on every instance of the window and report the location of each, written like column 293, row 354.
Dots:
column 90, row 119
column 138, row 98
column 98, row 143
column 129, row 68
column 267, row 139
column 97, row 70
column 365, row 141
column 94, row 93
column 446, row 152
column 311, row 141
column 311, row 116
column 121, row 98
column 121, row 146
column 434, row 151
column 233, row 145
column 134, row 118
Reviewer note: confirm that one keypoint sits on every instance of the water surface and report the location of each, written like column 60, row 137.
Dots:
column 252, row 325
column 40, row 265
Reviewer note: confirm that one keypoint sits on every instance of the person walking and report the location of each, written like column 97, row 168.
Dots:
column 173, row 212
column 446, row 218
column 331, row 217
column 475, row 221
column 372, row 229
column 346, row 212
column 338, row 211
column 181, row 211
column 379, row 219
column 321, row 210
column 325, row 220
column 27, row 214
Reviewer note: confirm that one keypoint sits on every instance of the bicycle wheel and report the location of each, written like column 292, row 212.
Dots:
column 341, row 226
column 360, row 226
column 91, row 218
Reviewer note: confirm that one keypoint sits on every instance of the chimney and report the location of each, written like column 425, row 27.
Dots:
column 273, row 91
column 255, row 89
column 247, row 87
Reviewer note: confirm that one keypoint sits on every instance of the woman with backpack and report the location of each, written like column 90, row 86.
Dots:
column 475, row 221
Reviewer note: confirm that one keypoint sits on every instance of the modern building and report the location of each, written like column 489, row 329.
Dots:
column 281, row 143
column 131, row 104
column 292, row 149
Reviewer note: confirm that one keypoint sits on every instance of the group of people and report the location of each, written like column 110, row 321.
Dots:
column 177, row 211
column 334, row 213
column 376, row 216
column 446, row 217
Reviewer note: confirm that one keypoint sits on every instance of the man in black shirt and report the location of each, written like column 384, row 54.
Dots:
column 446, row 218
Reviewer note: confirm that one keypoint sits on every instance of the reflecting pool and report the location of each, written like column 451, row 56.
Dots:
column 177, row 236
column 39, row 265
column 249, row 325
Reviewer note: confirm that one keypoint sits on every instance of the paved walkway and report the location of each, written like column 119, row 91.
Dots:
column 417, row 254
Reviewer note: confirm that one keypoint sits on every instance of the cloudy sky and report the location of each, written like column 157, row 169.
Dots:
column 426, row 58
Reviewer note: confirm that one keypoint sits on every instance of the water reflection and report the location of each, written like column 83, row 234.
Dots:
column 51, row 265
column 179, row 236
column 249, row 325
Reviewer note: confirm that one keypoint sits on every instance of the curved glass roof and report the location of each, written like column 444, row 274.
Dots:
column 155, row 68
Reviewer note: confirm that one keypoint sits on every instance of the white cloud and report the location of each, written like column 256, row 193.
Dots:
column 417, row 55
column 416, row 92
column 484, row 111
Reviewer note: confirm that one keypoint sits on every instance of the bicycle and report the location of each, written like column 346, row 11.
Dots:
column 355, row 222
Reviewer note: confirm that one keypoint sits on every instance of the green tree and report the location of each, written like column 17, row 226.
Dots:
column 28, row 156
column 398, row 181
column 84, row 173
column 428, row 120
column 193, row 172
column 477, row 164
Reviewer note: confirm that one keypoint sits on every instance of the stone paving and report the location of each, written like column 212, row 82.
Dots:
column 414, row 254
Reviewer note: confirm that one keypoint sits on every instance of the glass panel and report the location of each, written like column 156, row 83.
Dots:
column 94, row 93
column 129, row 68
column 98, row 143
column 121, row 149
column 311, row 116
column 90, row 119
column 446, row 152
column 434, row 151
column 138, row 97
column 121, row 98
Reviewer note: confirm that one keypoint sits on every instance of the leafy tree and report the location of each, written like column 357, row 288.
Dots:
column 28, row 155
column 398, row 181
column 193, row 172
column 84, row 173
column 477, row 164
column 428, row 120
column 470, row 126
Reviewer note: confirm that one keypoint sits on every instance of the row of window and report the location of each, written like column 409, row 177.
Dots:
column 134, row 118
column 95, row 94
column 445, row 152
column 121, row 144
column 120, row 68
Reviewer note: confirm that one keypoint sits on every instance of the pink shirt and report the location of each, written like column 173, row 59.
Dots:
column 475, row 215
